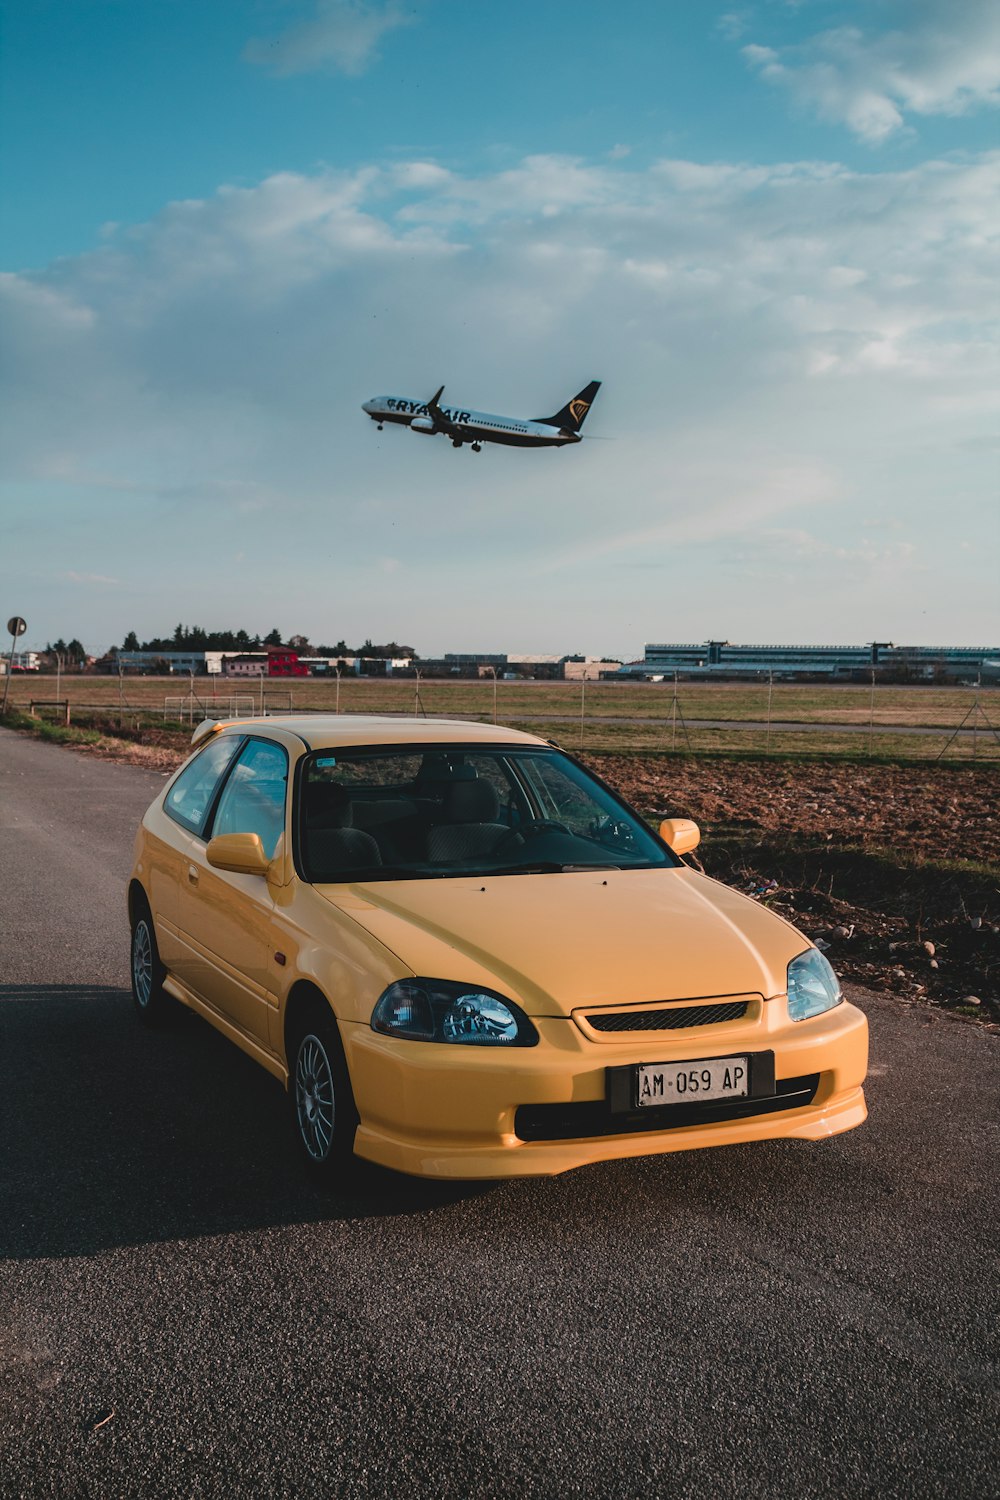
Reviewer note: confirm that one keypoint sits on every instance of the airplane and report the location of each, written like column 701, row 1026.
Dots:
column 479, row 427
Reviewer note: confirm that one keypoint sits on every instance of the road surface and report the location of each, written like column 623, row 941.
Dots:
column 182, row 1314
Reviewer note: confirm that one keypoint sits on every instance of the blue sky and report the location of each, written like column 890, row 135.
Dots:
column 771, row 229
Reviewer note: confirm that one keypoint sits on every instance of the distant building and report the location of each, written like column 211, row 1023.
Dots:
column 274, row 661
column 326, row 666
column 269, row 661
column 847, row 663
column 593, row 668
column 248, row 664
column 184, row 662
column 512, row 664
column 21, row 661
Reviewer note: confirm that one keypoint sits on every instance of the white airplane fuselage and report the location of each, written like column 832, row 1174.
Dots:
column 468, row 426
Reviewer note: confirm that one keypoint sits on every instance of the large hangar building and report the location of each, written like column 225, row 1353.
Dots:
column 846, row 663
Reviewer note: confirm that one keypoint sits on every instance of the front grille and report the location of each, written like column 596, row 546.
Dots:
column 676, row 1019
column 571, row 1122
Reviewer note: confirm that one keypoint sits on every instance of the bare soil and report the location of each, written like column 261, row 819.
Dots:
column 895, row 870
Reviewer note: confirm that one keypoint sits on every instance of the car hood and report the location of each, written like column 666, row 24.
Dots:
column 581, row 938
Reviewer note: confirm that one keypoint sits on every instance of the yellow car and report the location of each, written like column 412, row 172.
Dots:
column 464, row 956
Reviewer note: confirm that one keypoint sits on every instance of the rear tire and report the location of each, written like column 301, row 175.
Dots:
column 152, row 1003
column 324, row 1115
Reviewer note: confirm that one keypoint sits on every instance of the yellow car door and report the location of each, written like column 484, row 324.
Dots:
column 172, row 833
column 225, row 918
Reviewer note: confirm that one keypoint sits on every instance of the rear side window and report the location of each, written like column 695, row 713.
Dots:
column 254, row 798
column 190, row 797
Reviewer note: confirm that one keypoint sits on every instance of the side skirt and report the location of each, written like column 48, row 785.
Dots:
column 274, row 1065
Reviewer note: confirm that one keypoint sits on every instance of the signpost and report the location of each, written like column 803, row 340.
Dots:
column 17, row 627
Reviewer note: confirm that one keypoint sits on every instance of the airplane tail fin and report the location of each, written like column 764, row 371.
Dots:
column 573, row 413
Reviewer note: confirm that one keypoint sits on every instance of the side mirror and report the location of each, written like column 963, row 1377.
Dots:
column 680, row 833
column 242, row 853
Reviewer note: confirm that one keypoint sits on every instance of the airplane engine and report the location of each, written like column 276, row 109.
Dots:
column 422, row 424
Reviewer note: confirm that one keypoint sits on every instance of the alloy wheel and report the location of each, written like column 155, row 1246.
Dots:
column 314, row 1101
column 142, row 962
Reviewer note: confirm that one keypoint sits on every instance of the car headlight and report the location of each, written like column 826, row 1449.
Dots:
column 437, row 1010
column 813, row 987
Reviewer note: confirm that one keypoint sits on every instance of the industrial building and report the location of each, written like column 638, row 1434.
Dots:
column 709, row 659
column 844, row 663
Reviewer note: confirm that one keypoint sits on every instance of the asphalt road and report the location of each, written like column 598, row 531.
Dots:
column 182, row 1314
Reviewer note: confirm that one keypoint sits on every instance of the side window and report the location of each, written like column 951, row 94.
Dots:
column 254, row 797
column 190, row 797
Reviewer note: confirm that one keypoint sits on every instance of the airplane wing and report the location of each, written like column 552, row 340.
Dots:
column 437, row 416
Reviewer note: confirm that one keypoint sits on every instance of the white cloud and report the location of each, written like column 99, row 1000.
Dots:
column 93, row 578
column 343, row 35
column 733, row 24
column 719, row 503
column 943, row 59
column 791, row 347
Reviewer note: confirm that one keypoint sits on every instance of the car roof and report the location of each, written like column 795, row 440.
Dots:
column 321, row 731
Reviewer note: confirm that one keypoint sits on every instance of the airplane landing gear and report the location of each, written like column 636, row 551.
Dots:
column 380, row 427
column 477, row 447
column 456, row 442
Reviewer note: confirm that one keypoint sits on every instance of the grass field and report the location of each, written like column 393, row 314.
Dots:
column 646, row 715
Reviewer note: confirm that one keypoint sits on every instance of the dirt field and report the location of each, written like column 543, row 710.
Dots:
column 896, row 869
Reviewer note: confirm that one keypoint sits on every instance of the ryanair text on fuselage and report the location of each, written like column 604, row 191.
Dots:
column 479, row 427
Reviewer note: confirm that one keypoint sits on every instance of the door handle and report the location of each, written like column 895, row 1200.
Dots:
column 193, row 874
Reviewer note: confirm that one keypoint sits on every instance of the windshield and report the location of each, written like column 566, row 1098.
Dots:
column 440, row 810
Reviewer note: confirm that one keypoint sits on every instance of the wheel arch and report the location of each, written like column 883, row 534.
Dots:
column 303, row 997
column 137, row 899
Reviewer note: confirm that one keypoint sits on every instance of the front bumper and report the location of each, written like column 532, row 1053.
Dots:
column 450, row 1111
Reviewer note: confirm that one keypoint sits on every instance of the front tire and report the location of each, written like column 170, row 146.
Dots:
column 152, row 1003
column 324, row 1115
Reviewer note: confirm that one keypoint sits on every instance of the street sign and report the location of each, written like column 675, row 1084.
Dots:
column 17, row 627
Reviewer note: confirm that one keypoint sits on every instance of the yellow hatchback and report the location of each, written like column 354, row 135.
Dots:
column 464, row 956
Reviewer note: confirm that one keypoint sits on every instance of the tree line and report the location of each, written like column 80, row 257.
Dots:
column 72, row 654
column 195, row 638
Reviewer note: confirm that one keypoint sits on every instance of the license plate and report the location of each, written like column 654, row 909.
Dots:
column 691, row 1082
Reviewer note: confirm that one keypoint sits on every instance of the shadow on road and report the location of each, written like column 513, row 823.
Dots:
column 114, row 1135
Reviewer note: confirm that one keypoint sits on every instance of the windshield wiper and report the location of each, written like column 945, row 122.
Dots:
column 534, row 867
column 545, row 867
column 405, row 872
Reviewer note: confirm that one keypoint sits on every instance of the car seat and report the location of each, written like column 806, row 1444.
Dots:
column 470, row 823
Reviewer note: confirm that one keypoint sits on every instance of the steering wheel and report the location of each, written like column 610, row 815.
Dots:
column 516, row 837
column 608, row 830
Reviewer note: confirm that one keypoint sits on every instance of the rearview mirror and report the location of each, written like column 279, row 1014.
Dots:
column 242, row 853
column 680, row 833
